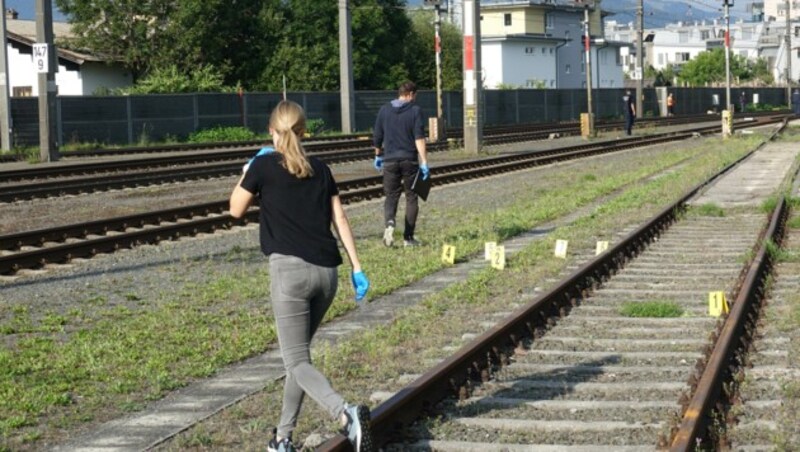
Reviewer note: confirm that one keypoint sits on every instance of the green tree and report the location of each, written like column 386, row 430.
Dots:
column 307, row 51
column 170, row 79
column 709, row 67
column 232, row 36
column 421, row 57
column 130, row 31
column 192, row 34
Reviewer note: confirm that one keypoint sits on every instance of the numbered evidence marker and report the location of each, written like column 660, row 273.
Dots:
column 488, row 250
column 499, row 257
column 448, row 254
column 561, row 248
column 717, row 304
column 601, row 246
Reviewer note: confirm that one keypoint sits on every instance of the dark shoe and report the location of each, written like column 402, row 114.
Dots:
column 388, row 235
column 412, row 242
column 284, row 445
column 358, row 428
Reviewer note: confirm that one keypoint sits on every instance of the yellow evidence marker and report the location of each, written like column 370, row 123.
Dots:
column 717, row 304
column 499, row 257
column 448, row 254
column 488, row 250
column 561, row 248
column 601, row 246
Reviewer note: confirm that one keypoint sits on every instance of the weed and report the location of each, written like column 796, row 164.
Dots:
column 219, row 134
column 661, row 309
column 710, row 210
column 769, row 204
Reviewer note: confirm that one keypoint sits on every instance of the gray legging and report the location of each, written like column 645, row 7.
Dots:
column 301, row 295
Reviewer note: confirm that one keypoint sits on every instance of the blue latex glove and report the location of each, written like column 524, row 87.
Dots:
column 378, row 163
column 426, row 173
column 360, row 284
column 262, row 151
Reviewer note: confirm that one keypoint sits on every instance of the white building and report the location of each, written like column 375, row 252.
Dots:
column 78, row 73
column 537, row 44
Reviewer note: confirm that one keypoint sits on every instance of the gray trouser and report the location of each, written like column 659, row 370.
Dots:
column 301, row 294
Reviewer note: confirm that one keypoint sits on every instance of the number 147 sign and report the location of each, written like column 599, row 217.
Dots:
column 40, row 58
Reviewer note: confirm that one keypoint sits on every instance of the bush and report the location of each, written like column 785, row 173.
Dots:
column 315, row 126
column 222, row 134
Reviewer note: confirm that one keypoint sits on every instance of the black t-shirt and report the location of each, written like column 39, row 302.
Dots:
column 296, row 213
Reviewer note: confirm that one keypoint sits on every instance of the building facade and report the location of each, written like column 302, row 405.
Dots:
column 538, row 44
column 78, row 74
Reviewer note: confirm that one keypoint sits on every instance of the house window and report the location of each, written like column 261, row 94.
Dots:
column 704, row 34
column 681, row 57
column 568, row 69
column 797, row 31
column 683, row 36
column 548, row 21
column 22, row 91
column 660, row 59
column 544, row 50
column 551, row 50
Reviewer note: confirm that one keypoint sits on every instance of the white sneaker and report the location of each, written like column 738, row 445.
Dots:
column 388, row 235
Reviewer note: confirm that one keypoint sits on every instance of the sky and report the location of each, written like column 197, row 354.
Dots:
column 27, row 10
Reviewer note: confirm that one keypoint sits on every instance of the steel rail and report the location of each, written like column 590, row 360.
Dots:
column 734, row 337
column 352, row 190
column 478, row 360
column 12, row 193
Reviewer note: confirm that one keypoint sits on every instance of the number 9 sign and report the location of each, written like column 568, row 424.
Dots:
column 40, row 59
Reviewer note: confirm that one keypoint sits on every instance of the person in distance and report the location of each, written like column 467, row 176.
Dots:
column 298, row 201
column 399, row 141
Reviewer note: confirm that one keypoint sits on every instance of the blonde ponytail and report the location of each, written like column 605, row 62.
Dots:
column 289, row 120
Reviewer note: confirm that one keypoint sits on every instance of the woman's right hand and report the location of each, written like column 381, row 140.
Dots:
column 360, row 284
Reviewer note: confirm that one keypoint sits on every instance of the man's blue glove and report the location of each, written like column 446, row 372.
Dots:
column 426, row 173
column 262, row 151
column 378, row 163
column 360, row 284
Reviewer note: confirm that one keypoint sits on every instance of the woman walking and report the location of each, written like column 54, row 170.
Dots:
column 299, row 201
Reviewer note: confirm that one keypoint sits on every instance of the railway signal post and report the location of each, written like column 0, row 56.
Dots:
column 46, row 63
column 437, row 125
column 473, row 80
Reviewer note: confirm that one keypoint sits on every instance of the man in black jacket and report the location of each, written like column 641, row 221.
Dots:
column 399, row 140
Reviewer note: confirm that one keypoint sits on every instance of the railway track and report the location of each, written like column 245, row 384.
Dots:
column 35, row 249
column 15, row 185
column 569, row 127
column 567, row 371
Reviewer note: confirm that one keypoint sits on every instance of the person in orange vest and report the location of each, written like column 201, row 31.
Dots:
column 670, row 105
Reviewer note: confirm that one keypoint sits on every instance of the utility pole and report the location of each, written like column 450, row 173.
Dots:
column 5, row 106
column 640, row 58
column 44, row 56
column 788, row 40
column 587, row 47
column 728, row 4
column 346, row 93
column 473, row 79
column 436, row 125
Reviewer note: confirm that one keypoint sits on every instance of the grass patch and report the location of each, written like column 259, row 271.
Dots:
column 659, row 309
column 710, row 210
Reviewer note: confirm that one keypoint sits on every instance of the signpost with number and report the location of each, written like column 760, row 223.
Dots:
column 41, row 63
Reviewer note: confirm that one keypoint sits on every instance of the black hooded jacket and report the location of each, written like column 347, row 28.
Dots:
column 398, row 125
